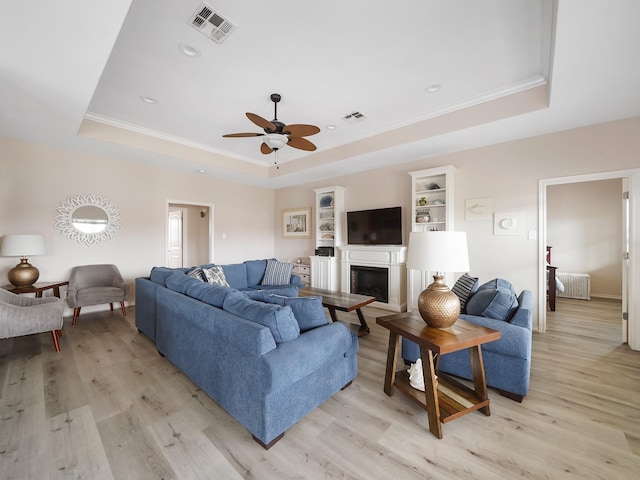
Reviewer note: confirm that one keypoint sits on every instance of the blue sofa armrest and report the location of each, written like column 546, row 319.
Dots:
column 295, row 359
column 524, row 316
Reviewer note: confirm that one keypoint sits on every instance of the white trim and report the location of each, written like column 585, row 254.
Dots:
column 634, row 245
column 198, row 204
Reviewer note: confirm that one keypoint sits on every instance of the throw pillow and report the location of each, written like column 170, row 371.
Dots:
column 308, row 311
column 496, row 304
column 277, row 273
column 196, row 272
column 464, row 287
column 279, row 320
column 215, row 276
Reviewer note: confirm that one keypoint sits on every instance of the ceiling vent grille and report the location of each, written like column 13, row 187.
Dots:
column 354, row 117
column 211, row 23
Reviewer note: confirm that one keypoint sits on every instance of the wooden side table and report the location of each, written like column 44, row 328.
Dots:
column 444, row 398
column 37, row 288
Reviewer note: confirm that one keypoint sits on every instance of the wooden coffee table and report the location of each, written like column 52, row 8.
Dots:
column 444, row 398
column 345, row 302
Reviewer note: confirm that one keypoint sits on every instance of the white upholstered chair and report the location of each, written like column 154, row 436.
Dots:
column 95, row 285
column 20, row 315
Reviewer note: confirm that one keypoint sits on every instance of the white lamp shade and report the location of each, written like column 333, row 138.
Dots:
column 22, row 245
column 440, row 251
column 275, row 140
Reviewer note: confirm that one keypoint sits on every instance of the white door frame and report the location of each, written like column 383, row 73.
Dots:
column 189, row 202
column 633, row 280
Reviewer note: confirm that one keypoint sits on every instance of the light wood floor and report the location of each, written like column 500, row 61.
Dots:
column 108, row 406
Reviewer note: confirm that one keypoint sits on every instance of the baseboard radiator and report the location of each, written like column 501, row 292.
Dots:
column 576, row 285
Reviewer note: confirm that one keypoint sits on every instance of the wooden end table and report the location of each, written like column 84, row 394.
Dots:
column 345, row 302
column 444, row 398
column 37, row 288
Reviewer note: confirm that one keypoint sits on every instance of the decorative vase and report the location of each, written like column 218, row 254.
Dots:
column 422, row 202
column 439, row 307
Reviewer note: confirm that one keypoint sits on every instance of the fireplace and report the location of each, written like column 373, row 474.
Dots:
column 376, row 271
column 370, row 281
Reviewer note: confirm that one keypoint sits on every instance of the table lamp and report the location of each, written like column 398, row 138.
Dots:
column 438, row 251
column 23, row 274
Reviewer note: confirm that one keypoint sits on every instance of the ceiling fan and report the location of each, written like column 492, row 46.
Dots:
column 277, row 134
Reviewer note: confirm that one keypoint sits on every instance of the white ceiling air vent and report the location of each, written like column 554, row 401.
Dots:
column 211, row 23
column 354, row 117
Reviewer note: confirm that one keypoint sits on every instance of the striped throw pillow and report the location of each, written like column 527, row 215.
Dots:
column 215, row 276
column 464, row 287
column 277, row 273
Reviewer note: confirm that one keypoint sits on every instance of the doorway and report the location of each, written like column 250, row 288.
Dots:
column 189, row 233
column 629, row 236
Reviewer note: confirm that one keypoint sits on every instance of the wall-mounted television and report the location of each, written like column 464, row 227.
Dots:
column 381, row 226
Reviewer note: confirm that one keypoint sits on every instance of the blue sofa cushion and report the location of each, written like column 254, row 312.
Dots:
column 463, row 288
column 492, row 303
column 308, row 311
column 179, row 282
column 210, row 294
column 278, row 319
column 498, row 284
column 255, row 271
column 159, row 275
column 259, row 293
column 277, row 273
column 236, row 275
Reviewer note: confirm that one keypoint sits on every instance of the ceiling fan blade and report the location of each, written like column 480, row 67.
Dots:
column 266, row 149
column 238, row 135
column 300, row 130
column 301, row 143
column 261, row 122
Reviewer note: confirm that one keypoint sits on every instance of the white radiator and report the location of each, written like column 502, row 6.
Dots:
column 576, row 285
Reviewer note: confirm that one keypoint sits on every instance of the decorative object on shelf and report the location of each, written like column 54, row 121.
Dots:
column 296, row 223
column 326, row 201
column 422, row 202
column 437, row 201
column 423, row 216
column 87, row 219
column 24, row 274
column 433, row 186
column 508, row 223
column 478, row 209
column 440, row 252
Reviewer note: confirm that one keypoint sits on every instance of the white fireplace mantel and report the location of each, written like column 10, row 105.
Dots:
column 392, row 257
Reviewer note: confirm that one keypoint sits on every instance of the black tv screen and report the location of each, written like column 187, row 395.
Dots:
column 381, row 226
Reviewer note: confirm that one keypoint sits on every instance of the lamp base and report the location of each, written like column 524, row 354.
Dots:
column 439, row 306
column 24, row 274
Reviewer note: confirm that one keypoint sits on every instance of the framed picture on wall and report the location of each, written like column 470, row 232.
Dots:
column 296, row 223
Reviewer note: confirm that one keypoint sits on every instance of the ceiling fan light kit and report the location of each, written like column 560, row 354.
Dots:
column 277, row 134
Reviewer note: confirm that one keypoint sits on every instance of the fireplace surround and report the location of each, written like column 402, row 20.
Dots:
column 369, row 262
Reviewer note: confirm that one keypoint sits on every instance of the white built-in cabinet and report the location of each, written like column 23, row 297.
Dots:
column 328, row 227
column 431, row 209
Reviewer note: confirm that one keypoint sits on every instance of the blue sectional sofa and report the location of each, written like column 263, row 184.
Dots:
column 507, row 362
column 267, row 362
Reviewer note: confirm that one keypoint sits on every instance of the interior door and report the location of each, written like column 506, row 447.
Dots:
column 175, row 239
column 625, row 259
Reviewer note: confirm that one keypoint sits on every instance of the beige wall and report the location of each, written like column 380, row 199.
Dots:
column 584, row 222
column 36, row 179
column 507, row 173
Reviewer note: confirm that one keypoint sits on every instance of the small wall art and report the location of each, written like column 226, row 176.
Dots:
column 508, row 223
column 296, row 223
column 478, row 209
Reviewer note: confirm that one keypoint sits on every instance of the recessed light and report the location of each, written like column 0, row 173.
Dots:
column 189, row 50
column 331, row 127
column 148, row 100
column 202, row 171
column 433, row 88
